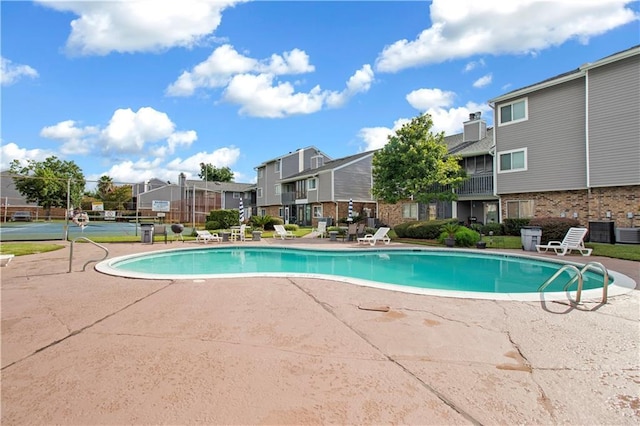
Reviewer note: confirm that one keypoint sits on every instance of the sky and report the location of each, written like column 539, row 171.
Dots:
column 144, row 89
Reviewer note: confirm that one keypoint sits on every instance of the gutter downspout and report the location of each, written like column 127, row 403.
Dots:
column 495, row 163
column 586, row 139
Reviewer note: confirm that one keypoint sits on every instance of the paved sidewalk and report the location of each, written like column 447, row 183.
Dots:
column 87, row 348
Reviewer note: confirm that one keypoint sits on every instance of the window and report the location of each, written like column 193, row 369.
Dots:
column 410, row 211
column 280, row 212
column 259, row 193
column 317, row 211
column 277, row 189
column 263, row 212
column 512, row 161
column 317, row 161
column 236, row 195
column 277, row 166
column 513, row 112
column 519, row 209
column 312, row 183
column 260, row 173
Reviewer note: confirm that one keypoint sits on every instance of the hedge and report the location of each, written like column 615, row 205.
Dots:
column 554, row 228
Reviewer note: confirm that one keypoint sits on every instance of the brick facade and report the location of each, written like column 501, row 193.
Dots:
column 391, row 214
column 590, row 205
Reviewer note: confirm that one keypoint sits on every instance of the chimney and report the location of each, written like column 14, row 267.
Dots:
column 475, row 129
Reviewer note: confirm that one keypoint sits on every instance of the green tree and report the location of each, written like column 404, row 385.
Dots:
column 105, row 186
column 211, row 173
column 117, row 197
column 414, row 164
column 45, row 182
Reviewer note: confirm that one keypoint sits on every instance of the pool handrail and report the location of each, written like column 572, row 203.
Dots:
column 579, row 277
column 88, row 261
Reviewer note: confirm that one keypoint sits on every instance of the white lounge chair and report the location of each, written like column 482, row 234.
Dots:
column 380, row 235
column 573, row 240
column 321, row 229
column 5, row 259
column 238, row 234
column 206, row 236
column 282, row 233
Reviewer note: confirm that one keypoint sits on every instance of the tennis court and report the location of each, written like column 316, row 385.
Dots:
column 55, row 230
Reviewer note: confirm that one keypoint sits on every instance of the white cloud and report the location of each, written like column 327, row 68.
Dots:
column 129, row 131
column 449, row 120
column 474, row 64
column 11, row 151
column 138, row 26
column 359, row 82
column 221, row 157
column 466, row 28
column 11, row 73
column 74, row 138
column 483, row 81
column 225, row 62
column 423, row 99
column 377, row 137
column 260, row 96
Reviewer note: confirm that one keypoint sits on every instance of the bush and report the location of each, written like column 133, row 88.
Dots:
column 225, row 218
column 427, row 229
column 553, row 228
column 513, row 226
column 265, row 222
column 291, row 227
column 494, row 227
column 212, row 224
column 465, row 237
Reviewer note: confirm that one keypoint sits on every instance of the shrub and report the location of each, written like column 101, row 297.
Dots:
column 494, row 227
column 427, row 229
column 212, row 224
column 465, row 237
column 224, row 218
column 291, row 227
column 513, row 226
column 553, row 228
column 339, row 230
column 265, row 222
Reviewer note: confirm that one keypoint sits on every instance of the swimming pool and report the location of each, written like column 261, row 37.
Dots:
column 451, row 273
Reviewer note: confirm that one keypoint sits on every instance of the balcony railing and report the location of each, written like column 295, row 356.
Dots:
column 477, row 185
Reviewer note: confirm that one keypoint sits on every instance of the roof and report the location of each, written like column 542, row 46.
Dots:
column 311, row 147
column 470, row 148
column 329, row 165
column 569, row 75
column 220, row 186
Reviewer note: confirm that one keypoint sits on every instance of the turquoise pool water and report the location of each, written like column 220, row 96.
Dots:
column 416, row 268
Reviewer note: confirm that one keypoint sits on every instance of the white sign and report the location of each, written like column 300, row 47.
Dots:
column 160, row 206
column 97, row 206
column 110, row 215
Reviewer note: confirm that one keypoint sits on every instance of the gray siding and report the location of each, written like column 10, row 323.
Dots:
column 290, row 165
column 269, row 197
column 554, row 136
column 325, row 185
column 353, row 181
column 614, row 123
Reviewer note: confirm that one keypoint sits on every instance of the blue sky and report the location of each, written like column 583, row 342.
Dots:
column 145, row 89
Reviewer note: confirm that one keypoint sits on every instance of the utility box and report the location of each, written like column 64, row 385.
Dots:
column 146, row 233
column 602, row 232
column 530, row 236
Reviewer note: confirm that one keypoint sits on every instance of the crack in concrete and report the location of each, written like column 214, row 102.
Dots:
column 86, row 327
column 447, row 401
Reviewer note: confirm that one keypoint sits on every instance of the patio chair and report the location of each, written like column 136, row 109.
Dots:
column 573, row 240
column 380, row 235
column 361, row 228
column 282, row 233
column 238, row 234
column 352, row 231
column 206, row 236
column 321, row 229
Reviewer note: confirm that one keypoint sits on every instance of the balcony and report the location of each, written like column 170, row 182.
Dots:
column 480, row 184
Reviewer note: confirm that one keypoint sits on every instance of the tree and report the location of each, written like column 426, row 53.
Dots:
column 46, row 182
column 414, row 165
column 211, row 173
column 105, row 186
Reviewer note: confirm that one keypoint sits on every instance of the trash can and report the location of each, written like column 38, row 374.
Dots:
column 146, row 233
column 530, row 236
column 256, row 235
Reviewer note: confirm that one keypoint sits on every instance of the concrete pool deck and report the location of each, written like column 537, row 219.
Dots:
column 89, row 348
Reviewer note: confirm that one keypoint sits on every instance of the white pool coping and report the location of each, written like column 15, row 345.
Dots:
column 622, row 284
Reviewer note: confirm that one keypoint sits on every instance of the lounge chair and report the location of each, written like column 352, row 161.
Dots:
column 380, row 235
column 573, row 240
column 321, row 229
column 206, row 236
column 5, row 259
column 282, row 233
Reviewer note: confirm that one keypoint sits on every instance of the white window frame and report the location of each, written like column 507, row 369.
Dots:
column 312, row 184
column 410, row 211
column 236, row 195
column 510, row 152
column 521, row 204
column 281, row 211
column 260, row 173
column 263, row 212
column 317, row 211
column 277, row 166
column 277, row 189
column 259, row 193
column 513, row 121
column 317, row 161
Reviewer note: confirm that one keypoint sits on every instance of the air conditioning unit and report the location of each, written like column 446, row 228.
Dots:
column 628, row 235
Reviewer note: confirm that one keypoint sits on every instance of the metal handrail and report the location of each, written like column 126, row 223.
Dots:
column 580, row 277
column 89, row 261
